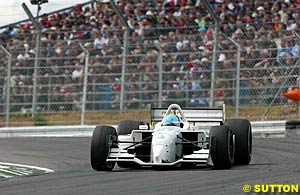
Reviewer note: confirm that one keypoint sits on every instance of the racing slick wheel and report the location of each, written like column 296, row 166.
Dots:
column 221, row 147
column 241, row 128
column 126, row 126
column 292, row 128
column 102, row 140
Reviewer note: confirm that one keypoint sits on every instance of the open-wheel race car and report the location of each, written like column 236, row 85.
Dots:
column 175, row 138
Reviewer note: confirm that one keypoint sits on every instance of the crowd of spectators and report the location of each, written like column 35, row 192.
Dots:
column 180, row 31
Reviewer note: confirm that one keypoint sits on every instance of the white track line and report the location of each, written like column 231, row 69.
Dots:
column 46, row 170
column 11, row 172
column 5, row 176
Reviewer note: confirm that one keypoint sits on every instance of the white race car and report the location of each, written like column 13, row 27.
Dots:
column 175, row 137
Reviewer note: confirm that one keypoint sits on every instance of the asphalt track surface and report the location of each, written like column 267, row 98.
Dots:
column 275, row 160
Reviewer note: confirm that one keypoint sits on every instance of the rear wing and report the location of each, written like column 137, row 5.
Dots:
column 192, row 114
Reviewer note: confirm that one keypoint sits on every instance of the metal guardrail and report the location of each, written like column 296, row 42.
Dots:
column 259, row 129
column 268, row 128
column 47, row 131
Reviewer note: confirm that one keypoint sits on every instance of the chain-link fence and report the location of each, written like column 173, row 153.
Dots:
column 270, row 67
column 117, row 69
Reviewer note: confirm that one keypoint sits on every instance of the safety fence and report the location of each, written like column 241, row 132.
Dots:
column 94, row 69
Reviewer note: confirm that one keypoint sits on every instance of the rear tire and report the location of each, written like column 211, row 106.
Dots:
column 242, row 130
column 126, row 126
column 292, row 128
column 221, row 147
column 102, row 140
column 292, row 124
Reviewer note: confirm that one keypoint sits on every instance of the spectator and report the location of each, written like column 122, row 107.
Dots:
column 77, row 74
column 133, row 99
column 219, row 98
column 183, row 30
column 176, row 95
column 104, row 95
column 199, row 97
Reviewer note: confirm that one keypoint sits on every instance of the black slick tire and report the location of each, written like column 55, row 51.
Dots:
column 126, row 126
column 242, row 130
column 102, row 141
column 221, row 147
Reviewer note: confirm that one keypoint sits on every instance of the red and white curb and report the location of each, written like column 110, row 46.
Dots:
column 10, row 170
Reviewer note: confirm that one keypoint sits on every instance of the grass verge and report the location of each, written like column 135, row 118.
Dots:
column 112, row 118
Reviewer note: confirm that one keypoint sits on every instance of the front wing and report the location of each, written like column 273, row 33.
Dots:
column 199, row 157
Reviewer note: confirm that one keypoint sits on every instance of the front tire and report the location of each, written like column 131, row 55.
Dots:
column 102, row 140
column 242, row 130
column 126, row 126
column 221, row 147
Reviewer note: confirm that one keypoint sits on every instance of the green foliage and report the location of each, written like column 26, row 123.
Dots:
column 40, row 121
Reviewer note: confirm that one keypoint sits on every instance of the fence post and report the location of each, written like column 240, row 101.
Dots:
column 238, row 75
column 36, row 59
column 216, row 43
column 36, row 64
column 85, row 79
column 160, row 69
column 212, row 85
column 124, row 54
column 123, row 76
column 8, row 83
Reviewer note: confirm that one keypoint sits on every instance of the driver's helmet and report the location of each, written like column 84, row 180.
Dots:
column 171, row 120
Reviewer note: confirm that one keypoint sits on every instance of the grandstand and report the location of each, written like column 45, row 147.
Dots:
column 164, row 55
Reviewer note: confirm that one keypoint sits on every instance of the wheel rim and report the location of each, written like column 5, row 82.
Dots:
column 249, row 141
column 231, row 146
